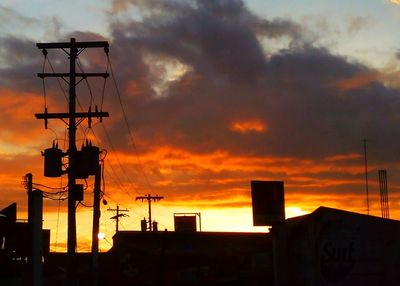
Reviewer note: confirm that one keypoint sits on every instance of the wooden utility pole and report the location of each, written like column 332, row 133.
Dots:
column 96, row 227
column 72, row 119
column 117, row 216
column 150, row 198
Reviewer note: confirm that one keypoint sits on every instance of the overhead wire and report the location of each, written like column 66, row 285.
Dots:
column 116, row 177
column 106, row 132
column 43, row 79
column 131, row 137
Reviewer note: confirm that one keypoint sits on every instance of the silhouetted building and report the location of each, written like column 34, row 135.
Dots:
column 326, row 247
column 15, row 246
column 191, row 258
column 335, row 247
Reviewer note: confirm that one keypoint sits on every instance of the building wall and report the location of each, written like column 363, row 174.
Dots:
column 333, row 247
column 170, row 258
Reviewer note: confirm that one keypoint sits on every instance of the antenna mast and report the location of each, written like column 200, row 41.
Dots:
column 366, row 171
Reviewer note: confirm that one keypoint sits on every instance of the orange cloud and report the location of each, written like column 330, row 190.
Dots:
column 249, row 126
column 195, row 176
column 357, row 81
column 343, row 157
column 397, row 2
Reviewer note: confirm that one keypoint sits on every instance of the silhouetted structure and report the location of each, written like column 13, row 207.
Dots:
column 15, row 247
column 325, row 248
column 383, row 188
column 196, row 258
column 336, row 247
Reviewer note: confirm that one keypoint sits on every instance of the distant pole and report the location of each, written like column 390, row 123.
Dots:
column 117, row 216
column 150, row 198
column 366, row 172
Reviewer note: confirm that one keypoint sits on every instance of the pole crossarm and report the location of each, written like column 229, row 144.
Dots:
column 82, row 75
column 69, row 45
column 117, row 216
column 95, row 114
column 150, row 197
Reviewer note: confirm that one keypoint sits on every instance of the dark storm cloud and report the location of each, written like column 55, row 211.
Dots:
column 314, row 103
column 20, row 62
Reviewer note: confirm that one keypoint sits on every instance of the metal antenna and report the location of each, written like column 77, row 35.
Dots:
column 383, row 186
column 366, row 171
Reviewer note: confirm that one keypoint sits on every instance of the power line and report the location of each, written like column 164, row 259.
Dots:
column 131, row 137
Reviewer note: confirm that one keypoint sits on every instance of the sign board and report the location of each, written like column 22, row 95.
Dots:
column 268, row 202
column 185, row 223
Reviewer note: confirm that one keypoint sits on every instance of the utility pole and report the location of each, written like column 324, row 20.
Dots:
column 150, row 198
column 96, row 226
column 72, row 119
column 117, row 216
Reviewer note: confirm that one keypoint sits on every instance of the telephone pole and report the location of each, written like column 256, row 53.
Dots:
column 72, row 119
column 117, row 216
column 150, row 198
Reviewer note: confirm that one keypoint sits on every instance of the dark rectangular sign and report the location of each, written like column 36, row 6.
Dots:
column 268, row 202
column 185, row 223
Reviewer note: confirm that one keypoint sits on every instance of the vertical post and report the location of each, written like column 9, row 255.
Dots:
column 37, row 238
column 117, row 220
column 71, row 247
column 200, row 220
column 150, row 221
column 95, row 230
column 279, row 254
column 35, row 218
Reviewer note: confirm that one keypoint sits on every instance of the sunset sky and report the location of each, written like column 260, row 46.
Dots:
column 216, row 94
